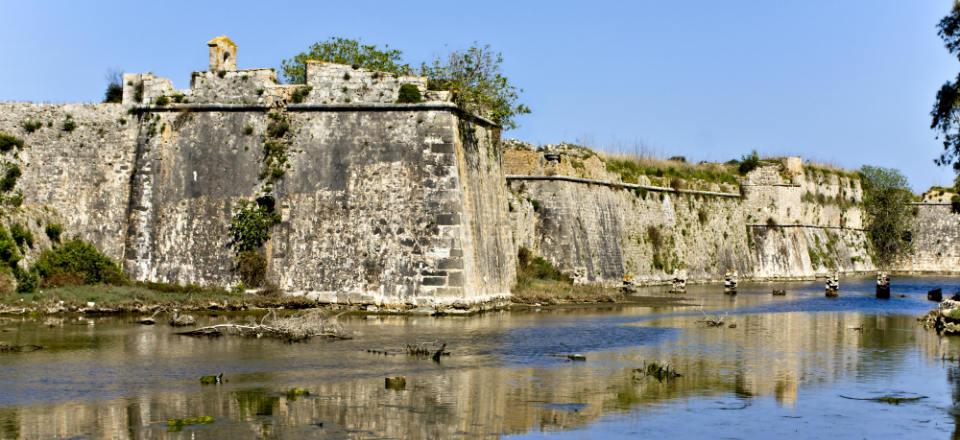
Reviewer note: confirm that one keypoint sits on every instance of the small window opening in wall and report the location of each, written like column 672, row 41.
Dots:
column 226, row 56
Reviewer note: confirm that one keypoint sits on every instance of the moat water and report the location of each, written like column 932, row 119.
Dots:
column 782, row 371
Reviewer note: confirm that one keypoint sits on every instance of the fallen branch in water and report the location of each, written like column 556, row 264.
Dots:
column 893, row 400
column 8, row 348
column 299, row 327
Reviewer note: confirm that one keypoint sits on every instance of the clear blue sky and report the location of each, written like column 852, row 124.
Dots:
column 848, row 82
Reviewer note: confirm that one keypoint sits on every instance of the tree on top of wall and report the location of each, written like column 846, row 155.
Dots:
column 474, row 77
column 344, row 51
column 886, row 203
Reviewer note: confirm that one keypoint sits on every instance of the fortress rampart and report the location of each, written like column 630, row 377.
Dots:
column 383, row 202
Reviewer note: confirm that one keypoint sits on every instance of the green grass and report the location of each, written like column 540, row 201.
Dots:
column 630, row 169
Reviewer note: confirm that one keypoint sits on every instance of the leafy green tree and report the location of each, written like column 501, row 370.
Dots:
column 344, row 51
column 946, row 110
column 886, row 203
column 475, row 79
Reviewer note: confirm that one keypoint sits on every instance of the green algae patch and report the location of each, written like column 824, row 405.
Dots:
column 174, row 425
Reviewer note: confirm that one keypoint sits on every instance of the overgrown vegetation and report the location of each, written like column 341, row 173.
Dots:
column 539, row 282
column 251, row 223
column 114, row 92
column 275, row 146
column 68, row 124
column 250, row 228
column 31, row 125
column 631, row 168
column 886, row 199
column 300, row 94
column 53, row 231
column 76, row 262
column 9, row 142
column 409, row 94
column 748, row 162
column 21, row 235
column 344, row 51
column 474, row 77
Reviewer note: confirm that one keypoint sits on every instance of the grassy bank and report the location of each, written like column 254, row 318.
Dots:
column 539, row 282
column 141, row 297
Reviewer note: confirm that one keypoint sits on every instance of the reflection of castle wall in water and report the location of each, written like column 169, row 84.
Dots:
column 775, row 355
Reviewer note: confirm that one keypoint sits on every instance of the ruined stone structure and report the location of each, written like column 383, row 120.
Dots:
column 380, row 202
column 387, row 203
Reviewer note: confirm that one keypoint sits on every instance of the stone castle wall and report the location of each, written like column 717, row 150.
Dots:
column 601, row 230
column 936, row 241
column 380, row 202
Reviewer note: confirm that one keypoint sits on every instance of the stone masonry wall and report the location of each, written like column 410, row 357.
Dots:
column 936, row 241
column 610, row 233
column 377, row 207
column 77, row 177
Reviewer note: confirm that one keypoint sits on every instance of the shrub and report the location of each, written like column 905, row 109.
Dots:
column 252, row 268
column 9, row 252
column 77, row 262
column 10, row 175
column 250, row 226
column 9, row 142
column 53, row 231
column 749, row 163
column 248, row 129
column 161, row 100
column 300, row 94
column 68, row 124
column 409, row 94
column 21, row 235
column 179, row 98
column 31, row 125
column 114, row 92
column 537, row 268
column 27, row 281
column 344, row 51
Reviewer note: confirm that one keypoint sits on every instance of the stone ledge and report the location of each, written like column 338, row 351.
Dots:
column 513, row 177
column 358, row 107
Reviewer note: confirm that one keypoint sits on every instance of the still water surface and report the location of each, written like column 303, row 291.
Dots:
column 780, row 372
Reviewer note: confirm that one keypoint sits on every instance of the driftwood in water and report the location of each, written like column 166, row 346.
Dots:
column 893, row 400
column 299, row 327
column 9, row 348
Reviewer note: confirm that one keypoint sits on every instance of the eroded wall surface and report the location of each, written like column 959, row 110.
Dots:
column 787, row 222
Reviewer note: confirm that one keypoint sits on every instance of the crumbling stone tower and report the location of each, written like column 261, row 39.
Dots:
column 223, row 54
